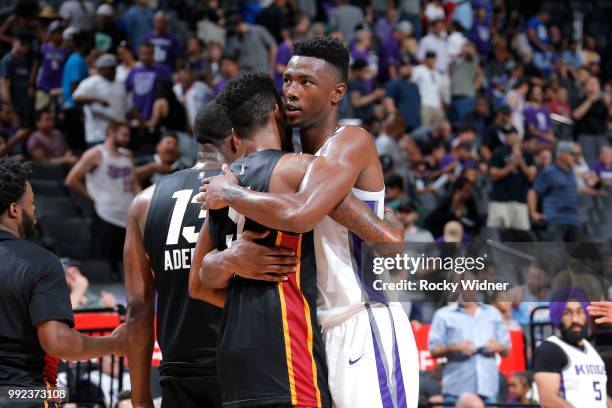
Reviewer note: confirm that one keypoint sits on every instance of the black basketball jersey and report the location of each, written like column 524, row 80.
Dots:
column 187, row 329
column 270, row 349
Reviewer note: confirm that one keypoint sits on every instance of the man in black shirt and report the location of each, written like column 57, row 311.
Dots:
column 493, row 135
column 163, row 224
column 35, row 308
column 591, row 116
column 512, row 171
column 569, row 372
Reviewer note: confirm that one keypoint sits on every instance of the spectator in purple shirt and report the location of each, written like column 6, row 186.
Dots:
column 167, row 47
column 537, row 118
column 283, row 55
column 194, row 54
column 142, row 80
column 230, row 69
column 47, row 143
column 391, row 51
column 385, row 24
column 53, row 57
column 481, row 31
column 362, row 44
column 603, row 167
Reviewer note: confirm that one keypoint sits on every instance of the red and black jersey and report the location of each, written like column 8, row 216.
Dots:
column 270, row 349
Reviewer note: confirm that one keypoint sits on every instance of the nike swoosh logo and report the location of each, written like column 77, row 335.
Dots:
column 351, row 362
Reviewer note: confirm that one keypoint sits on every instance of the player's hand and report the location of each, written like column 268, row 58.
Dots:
column 213, row 195
column 255, row 261
column 108, row 299
column 120, row 335
column 602, row 309
column 494, row 346
column 466, row 347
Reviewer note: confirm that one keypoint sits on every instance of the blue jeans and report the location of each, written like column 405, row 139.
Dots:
column 460, row 107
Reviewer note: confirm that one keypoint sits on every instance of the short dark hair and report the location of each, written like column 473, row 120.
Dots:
column 146, row 43
column 248, row 101
column 13, row 177
column 41, row 113
column 407, row 206
column 114, row 126
column 211, row 124
column 328, row 49
column 394, row 181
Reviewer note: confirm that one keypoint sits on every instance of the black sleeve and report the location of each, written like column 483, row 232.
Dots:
column 50, row 296
column 549, row 358
column 212, row 230
column 529, row 159
column 497, row 159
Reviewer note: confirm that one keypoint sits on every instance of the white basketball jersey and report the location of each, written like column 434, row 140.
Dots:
column 340, row 284
column 583, row 380
column 111, row 187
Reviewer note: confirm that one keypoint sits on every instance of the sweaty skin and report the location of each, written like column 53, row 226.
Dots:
column 348, row 159
column 286, row 178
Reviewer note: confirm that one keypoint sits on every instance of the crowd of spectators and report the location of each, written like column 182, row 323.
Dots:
column 491, row 117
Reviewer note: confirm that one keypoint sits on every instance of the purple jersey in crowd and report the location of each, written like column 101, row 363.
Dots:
column 142, row 82
column 390, row 55
column 538, row 117
column 167, row 49
column 52, row 67
column 604, row 172
column 481, row 35
column 283, row 55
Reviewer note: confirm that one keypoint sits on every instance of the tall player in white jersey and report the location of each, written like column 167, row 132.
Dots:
column 371, row 352
column 569, row 372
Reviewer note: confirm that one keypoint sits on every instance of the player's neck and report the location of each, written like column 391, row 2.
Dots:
column 315, row 136
column 11, row 229
column 209, row 157
column 265, row 138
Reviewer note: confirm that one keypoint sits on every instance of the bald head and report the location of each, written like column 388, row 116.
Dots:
column 469, row 400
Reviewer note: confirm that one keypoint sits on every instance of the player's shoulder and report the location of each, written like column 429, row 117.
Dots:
column 32, row 254
column 549, row 349
column 349, row 138
column 296, row 159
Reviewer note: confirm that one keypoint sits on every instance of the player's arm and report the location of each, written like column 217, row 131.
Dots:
column 197, row 290
column 326, row 183
column 247, row 259
column 359, row 218
column 57, row 339
column 140, row 293
column 548, row 389
column 353, row 213
column 87, row 163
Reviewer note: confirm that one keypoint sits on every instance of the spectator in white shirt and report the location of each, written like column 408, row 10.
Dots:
column 435, row 41
column 79, row 14
column 430, row 83
column 191, row 93
column 456, row 40
column 104, row 100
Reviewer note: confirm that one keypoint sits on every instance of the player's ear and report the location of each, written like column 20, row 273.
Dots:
column 13, row 210
column 236, row 143
column 278, row 114
column 338, row 93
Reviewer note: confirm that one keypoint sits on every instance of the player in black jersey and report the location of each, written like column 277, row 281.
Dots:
column 270, row 351
column 162, row 229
